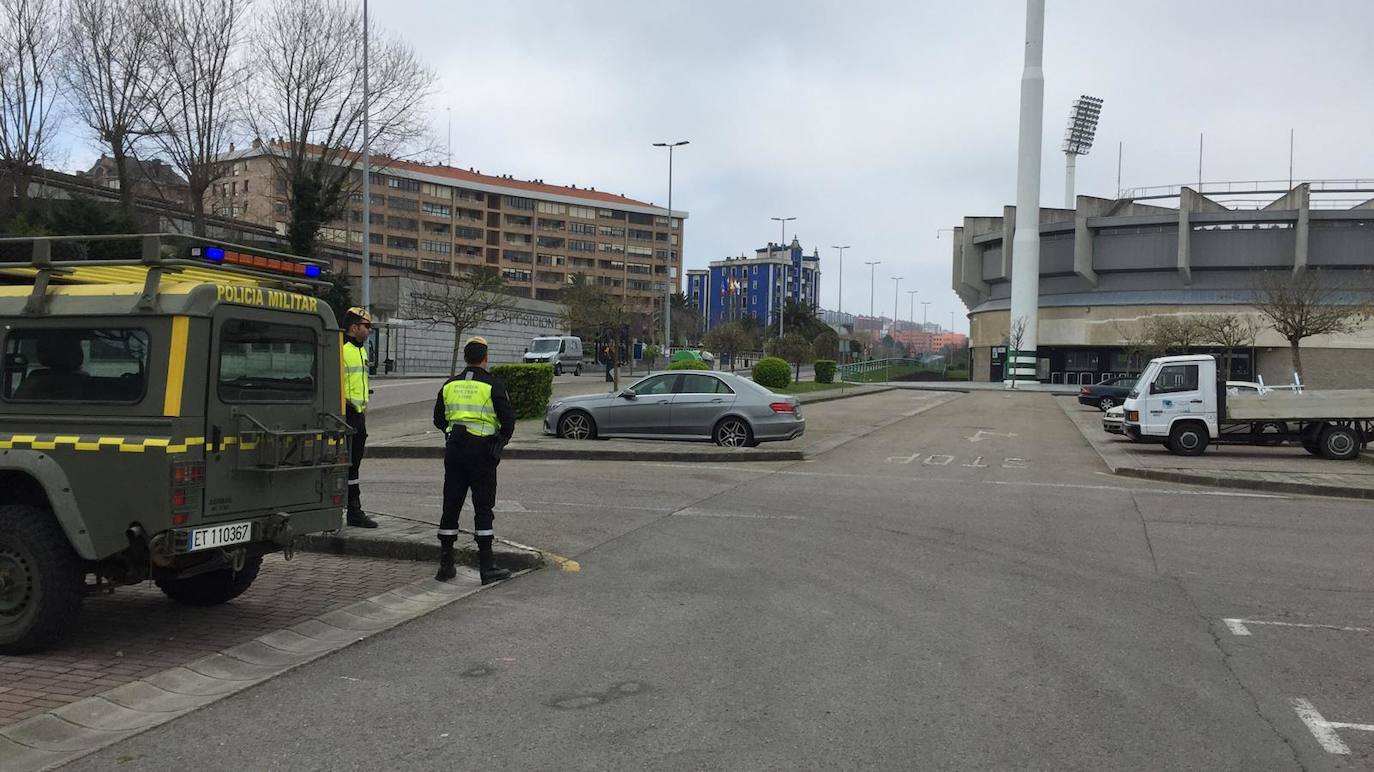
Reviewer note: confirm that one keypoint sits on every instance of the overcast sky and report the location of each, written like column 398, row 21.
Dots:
column 877, row 123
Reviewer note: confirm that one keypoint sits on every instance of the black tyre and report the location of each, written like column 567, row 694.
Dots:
column 733, row 432
column 1188, row 439
column 558, row 369
column 40, row 580
column 577, row 425
column 1106, row 403
column 212, row 587
column 1270, row 432
column 1312, row 447
column 1340, row 443
column 577, row 370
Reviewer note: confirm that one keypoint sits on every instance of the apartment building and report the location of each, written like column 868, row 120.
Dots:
column 447, row 220
column 736, row 288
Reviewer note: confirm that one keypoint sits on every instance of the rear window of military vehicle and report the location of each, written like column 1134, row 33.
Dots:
column 75, row 365
column 266, row 362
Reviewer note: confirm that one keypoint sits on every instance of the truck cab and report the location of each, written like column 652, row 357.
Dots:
column 1175, row 395
column 173, row 413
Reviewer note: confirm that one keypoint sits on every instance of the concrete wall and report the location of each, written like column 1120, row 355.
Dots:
column 1325, row 368
column 421, row 348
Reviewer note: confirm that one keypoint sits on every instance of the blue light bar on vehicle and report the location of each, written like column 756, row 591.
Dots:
column 214, row 254
column 312, row 272
column 219, row 256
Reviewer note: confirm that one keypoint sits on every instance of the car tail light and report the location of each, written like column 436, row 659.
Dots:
column 337, row 499
column 1083, row 392
column 180, row 518
column 783, row 407
column 179, row 497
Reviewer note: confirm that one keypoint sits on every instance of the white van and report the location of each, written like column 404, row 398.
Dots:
column 563, row 352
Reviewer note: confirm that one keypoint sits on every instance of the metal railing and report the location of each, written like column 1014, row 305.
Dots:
column 1241, row 187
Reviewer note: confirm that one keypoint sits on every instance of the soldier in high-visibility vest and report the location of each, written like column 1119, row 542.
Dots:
column 475, row 413
column 357, row 324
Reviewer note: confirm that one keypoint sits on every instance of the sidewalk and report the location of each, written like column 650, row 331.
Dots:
column 412, row 435
column 1282, row 469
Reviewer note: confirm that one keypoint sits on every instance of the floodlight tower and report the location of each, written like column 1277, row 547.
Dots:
column 1078, row 138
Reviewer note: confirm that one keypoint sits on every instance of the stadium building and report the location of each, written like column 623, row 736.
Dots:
column 1110, row 265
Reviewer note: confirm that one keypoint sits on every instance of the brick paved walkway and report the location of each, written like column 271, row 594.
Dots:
column 138, row 631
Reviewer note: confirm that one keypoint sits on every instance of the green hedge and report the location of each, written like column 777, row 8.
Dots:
column 689, row 364
column 825, row 371
column 772, row 373
column 530, row 387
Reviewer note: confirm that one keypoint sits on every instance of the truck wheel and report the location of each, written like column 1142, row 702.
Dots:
column 558, row 370
column 1187, row 439
column 40, row 580
column 1312, row 447
column 1339, row 443
column 212, row 587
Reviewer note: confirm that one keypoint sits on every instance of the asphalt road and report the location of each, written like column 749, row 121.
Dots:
column 963, row 589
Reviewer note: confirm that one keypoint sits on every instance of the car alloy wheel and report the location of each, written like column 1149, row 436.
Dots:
column 575, row 426
column 732, row 433
column 1106, row 403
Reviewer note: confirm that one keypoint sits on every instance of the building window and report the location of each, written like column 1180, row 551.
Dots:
column 605, row 247
column 578, row 245
column 641, row 219
column 585, row 212
column 582, row 228
column 401, row 242
column 435, row 266
column 543, row 259
column 438, row 210
column 607, row 230
column 523, row 239
column 438, row 228
column 517, row 202
column 469, row 233
column 437, row 247
column 550, row 242
column 403, row 223
column 641, row 235
column 518, row 256
column 437, row 191
column 471, row 195
column 549, row 207
column 405, row 204
column 518, row 220
column 404, row 262
column 639, row 251
column 513, row 274
column 399, row 183
column 550, row 225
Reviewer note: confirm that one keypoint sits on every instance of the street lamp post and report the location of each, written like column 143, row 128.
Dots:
column 782, row 306
column 871, row 273
column 367, row 177
column 925, row 310
column 839, row 298
column 896, row 293
column 912, row 310
column 668, row 289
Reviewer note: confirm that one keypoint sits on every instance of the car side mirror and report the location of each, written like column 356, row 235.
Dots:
column 628, row 394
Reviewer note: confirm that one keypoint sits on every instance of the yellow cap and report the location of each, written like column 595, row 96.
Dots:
column 476, row 339
column 360, row 314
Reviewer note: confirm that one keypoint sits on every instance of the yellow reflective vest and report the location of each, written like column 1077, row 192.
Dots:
column 355, row 375
column 468, row 403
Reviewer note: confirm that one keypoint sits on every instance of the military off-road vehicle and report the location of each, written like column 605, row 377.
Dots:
column 170, row 409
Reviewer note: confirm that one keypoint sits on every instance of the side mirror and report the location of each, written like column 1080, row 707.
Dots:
column 628, row 394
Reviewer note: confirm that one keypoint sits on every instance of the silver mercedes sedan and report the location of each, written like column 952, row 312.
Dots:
column 685, row 405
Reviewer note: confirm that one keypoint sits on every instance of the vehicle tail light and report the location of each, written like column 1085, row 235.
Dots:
column 783, row 407
column 337, row 499
column 188, row 473
column 179, row 497
column 180, row 518
column 1083, row 392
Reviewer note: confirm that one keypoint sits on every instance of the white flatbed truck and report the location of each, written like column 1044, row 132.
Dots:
column 1179, row 402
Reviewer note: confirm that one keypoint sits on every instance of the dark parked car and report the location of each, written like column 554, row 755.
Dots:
column 1106, row 394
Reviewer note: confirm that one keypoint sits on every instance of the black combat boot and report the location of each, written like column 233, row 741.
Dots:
column 359, row 519
column 486, row 563
column 446, row 568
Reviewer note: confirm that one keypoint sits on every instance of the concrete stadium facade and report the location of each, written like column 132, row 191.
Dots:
column 1109, row 265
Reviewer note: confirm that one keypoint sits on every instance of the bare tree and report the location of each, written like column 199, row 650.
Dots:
column 1230, row 331
column 1016, row 336
column 109, row 69
column 731, row 339
column 1310, row 302
column 30, row 37
column 196, row 59
column 465, row 302
column 306, row 89
column 591, row 310
column 1140, row 345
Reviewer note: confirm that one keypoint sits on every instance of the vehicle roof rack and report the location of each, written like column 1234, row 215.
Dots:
column 158, row 255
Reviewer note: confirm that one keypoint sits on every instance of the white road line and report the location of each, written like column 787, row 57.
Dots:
column 1325, row 731
column 734, row 515
column 1239, row 626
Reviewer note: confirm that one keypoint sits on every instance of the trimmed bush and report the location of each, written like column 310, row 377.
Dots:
column 530, row 387
column 689, row 364
column 825, row 371
column 772, row 373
